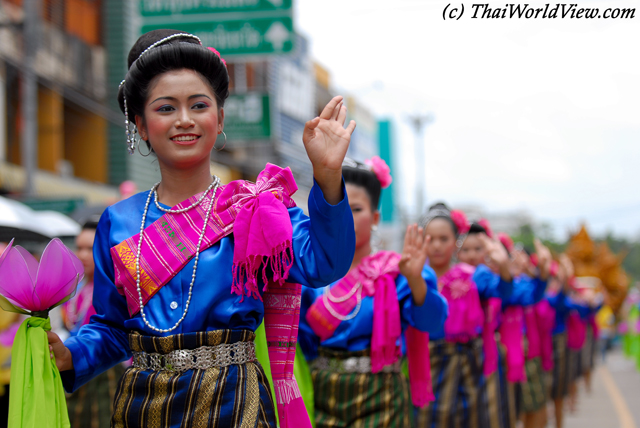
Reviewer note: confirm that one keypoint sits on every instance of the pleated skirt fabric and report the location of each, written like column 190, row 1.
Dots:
column 560, row 374
column 534, row 394
column 91, row 405
column 459, row 387
column 234, row 396
column 363, row 400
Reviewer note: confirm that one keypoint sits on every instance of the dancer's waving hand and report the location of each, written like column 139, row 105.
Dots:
column 414, row 256
column 326, row 142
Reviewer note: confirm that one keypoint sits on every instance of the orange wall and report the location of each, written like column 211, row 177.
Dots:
column 82, row 19
column 85, row 144
column 50, row 129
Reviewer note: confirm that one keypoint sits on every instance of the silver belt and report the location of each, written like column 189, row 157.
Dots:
column 202, row 358
column 352, row 365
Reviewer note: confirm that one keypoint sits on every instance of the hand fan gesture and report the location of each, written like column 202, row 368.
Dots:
column 326, row 141
column 414, row 257
column 497, row 256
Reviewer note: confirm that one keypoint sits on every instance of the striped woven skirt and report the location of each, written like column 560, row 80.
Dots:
column 234, row 396
column 575, row 364
column 364, row 400
column 589, row 351
column 458, row 385
column 560, row 374
column 91, row 406
column 534, row 391
column 500, row 409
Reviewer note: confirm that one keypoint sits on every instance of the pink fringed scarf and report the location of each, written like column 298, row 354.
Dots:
column 492, row 310
column 257, row 215
column 511, row 338
column 377, row 274
column 533, row 333
column 546, row 317
column 465, row 311
column 576, row 331
column 594, row 326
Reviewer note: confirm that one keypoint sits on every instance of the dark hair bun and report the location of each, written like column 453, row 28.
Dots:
column 175, row 54
column 359, row 174
column 439, row 210
column 476, row 228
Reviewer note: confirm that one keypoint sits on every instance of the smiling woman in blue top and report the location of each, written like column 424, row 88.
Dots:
column 352, row 330
column 183, row 279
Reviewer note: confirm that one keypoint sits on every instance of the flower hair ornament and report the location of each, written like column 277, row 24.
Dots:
column 130, row 129
column 376, row 165
column 380, row 168
column 485, row 224
column 462, row 224
column 460, row 220
column 506, row 241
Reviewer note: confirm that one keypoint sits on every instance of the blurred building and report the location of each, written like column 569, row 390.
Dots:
column 72, row 120
column 509, row 222
column 80, row 60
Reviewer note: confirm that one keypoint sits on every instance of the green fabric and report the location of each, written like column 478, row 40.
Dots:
column 362, row 400
column 305, row 383
column 300, row 371
column 36, row 396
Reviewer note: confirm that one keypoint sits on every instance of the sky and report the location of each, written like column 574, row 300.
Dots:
column 539, row 114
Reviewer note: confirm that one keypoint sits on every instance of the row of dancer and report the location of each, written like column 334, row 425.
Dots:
column 494, row 324
column 186, row 272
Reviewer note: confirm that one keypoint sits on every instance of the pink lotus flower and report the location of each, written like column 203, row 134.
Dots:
column 381, row 170
column 29, row 287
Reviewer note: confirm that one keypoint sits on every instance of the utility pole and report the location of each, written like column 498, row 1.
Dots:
column 418, row 123
column 29, row 140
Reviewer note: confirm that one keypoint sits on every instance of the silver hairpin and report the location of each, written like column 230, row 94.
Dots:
column 166, row 39
column 353, row 164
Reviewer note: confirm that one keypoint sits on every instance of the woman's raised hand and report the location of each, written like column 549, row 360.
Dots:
column 544, row 259
column 414, row 256
column 497, row 255
column 495, row 250
column 326, row 141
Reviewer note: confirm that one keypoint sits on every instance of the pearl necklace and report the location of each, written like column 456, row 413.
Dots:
column 214, row 185
column 328, row 296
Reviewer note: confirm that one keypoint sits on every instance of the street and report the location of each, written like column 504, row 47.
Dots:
column 614, row 401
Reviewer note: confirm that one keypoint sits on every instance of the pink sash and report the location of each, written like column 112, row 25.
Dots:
column 594, row 326
column 377, row 274
column 511, row 338
column 533, row 333
column 257, row 215
column 546, row 317
column 576, row 332
column 492, row 309
column 465, row 311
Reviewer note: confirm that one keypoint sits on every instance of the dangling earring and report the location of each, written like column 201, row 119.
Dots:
column 375, row 239
column 138, row 144
column 131, row 144
column 225, row 142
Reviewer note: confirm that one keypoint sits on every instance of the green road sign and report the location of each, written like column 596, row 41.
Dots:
column 246, row 117
column 191, row 7
column 262, row 36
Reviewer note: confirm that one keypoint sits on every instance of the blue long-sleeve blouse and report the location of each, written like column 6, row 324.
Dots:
column 490, row 284
column 355, row 334
column 563, row 305
column 526, row 291
column 323, row 245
